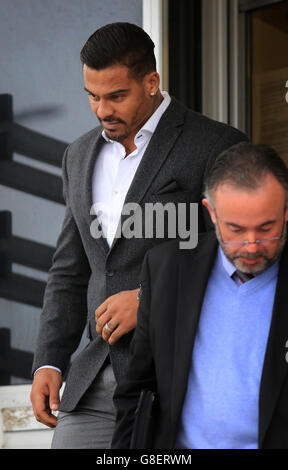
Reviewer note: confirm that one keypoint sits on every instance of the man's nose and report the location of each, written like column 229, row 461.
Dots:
column 104, row 109
column 252, row 246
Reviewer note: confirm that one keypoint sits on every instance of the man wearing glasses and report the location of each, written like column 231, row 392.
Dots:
column 213, row 321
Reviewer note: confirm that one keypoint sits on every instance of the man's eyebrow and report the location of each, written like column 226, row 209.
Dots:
column 268, row 222
column 116, row 92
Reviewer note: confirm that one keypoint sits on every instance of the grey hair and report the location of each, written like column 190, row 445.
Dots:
column 245, row 165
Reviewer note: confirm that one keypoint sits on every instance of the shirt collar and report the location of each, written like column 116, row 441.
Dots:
column 227, row 265
column 153, row 121
column 150, row 125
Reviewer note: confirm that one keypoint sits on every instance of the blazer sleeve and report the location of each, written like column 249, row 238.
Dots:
column 64, row 310
column 141, row 371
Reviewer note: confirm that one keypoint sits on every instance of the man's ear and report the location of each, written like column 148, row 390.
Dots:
column 152, row 82
column 206, row 204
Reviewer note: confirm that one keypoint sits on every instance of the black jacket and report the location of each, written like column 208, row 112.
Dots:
column 173, row 288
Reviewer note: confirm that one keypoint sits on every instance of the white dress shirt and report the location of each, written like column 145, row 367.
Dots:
column 113, row 175
column 114, row 172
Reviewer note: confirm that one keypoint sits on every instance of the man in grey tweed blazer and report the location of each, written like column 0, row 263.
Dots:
column 151, row 149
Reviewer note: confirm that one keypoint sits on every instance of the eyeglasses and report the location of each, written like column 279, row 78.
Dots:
column 261, row 242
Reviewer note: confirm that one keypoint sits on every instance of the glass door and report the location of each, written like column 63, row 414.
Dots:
column 267, row 75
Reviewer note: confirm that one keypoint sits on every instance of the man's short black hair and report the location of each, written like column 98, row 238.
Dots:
column 120, row 44
column 244, row 165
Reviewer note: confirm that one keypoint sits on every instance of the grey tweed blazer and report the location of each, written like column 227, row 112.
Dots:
column 85, row 271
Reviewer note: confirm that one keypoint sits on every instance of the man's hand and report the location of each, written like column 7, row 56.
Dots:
column 45, row 395
column 120, row 312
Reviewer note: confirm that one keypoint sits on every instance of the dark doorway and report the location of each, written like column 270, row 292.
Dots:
column 185, row 52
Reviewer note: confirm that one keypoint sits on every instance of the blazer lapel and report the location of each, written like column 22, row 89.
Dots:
column 88, row 179
column 194, row 271
column 275, row 365
column 161, row 143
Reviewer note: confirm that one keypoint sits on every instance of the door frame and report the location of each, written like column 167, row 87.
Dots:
column 155, row 23
column 224, row 35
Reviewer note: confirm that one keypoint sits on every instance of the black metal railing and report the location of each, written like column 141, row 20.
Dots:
column 15, row 138
column 13, row 362
column 18, row 139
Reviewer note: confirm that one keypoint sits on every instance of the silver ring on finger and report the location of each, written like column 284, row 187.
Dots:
column 109, row 328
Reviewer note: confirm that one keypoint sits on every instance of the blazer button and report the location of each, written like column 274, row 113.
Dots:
column 109, row 273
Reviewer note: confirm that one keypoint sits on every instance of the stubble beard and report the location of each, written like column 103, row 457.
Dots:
column 113, row 135
column 116, row 137
column 262, row 265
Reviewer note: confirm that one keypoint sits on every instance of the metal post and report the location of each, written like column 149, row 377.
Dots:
column 5, row 235
column 6, row 119
column 5, row 341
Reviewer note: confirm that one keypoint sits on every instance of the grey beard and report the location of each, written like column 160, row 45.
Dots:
column 265, row 264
